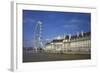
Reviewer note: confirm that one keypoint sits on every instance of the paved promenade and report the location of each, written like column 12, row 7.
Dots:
column 43, row 56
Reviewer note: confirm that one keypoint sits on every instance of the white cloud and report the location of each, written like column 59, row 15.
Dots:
column 59, row 37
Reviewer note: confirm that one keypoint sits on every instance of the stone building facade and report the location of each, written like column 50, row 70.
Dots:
column 79, row 43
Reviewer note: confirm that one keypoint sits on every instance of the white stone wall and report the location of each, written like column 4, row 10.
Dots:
column 72, row 46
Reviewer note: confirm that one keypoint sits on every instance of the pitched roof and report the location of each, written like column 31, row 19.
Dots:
column 67, row 37
column 57, row 40
column 85, row 34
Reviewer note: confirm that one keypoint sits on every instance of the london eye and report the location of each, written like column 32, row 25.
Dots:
column 38, row 41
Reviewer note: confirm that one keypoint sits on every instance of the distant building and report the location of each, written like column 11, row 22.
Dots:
column 79, row 43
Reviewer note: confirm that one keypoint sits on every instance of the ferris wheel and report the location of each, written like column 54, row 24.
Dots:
column 38, row 36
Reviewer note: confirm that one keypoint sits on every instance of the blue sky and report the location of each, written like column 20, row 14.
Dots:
column 53, row 24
